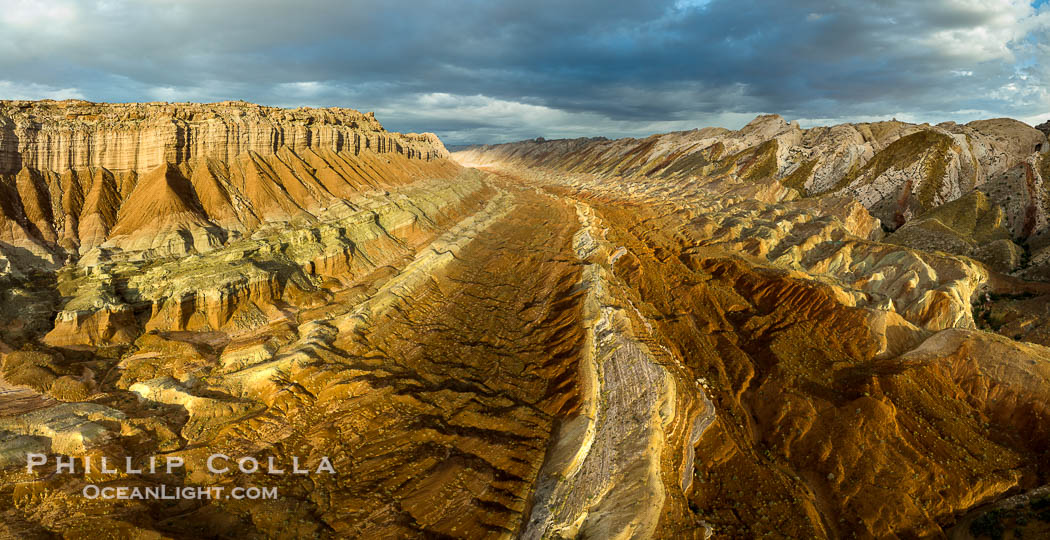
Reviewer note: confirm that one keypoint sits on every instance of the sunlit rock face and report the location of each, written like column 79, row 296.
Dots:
column 59, row 136
column 834, row 332
column 850, row 328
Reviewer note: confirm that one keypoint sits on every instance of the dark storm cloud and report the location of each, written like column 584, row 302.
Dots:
column 499, row 70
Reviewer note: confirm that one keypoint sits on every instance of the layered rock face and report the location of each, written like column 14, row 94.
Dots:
column 284, row 294
column 139, row 137
column 701, row 334
column 177, row 178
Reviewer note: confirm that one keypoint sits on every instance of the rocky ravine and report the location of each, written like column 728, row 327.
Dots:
column 853, row 389
column 678, row 337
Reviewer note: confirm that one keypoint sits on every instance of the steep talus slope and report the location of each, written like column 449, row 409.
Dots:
column 163, row 201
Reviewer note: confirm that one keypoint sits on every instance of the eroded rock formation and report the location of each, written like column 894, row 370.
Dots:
column 834, row 332
column 896, row 170
column 853, row 392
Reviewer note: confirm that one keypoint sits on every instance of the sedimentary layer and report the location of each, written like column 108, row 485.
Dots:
column 59, row 136
column 149, row 180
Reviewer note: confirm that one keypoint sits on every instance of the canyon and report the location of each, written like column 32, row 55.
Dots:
column 831, row 332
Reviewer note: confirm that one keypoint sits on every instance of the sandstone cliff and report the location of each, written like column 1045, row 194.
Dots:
column 58, row 136
column 171, row 179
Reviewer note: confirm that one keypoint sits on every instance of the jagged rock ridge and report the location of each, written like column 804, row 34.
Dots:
column 1044, row 127
column 897, row 170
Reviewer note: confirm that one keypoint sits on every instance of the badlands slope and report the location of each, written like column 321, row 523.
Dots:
column 861, row 304
column 836, row 332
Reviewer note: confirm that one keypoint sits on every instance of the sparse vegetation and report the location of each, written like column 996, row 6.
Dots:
column 901, row 154
column 797, row 179
column 937, row 163
column 762, row 163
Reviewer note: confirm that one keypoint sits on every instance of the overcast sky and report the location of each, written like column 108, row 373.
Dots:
column 500, row 70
